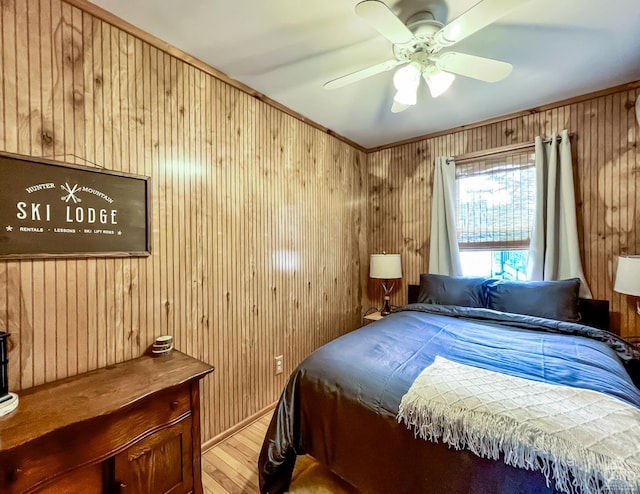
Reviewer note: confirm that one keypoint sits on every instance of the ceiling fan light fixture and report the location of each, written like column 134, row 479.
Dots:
column 438, row 81
column 406, row 98
column 407, row 78
column 398, row 107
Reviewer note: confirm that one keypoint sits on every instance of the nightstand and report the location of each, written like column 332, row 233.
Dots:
column 370, row 317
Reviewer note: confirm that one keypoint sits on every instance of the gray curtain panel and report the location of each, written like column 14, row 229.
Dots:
column 554, row 252
column 444, row 255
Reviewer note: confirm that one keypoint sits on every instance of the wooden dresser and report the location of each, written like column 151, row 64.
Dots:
column 133, row 427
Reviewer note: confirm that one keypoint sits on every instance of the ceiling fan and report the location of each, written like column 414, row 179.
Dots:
column 416, row 45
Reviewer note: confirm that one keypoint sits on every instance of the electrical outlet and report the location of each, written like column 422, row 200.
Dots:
column 278, row 364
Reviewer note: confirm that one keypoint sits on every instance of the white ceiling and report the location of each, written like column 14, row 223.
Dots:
column 287, row 49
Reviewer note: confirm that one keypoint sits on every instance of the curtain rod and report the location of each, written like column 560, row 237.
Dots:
column 503, row 149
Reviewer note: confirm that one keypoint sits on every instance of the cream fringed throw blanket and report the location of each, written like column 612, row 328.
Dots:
column 587, row 441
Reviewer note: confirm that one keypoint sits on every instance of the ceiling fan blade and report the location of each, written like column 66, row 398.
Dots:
column 484, row 69
column 384, row 21
column 480, row 15
column 361, row 74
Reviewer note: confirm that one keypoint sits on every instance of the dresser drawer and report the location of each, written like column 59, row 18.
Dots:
column 87, row 480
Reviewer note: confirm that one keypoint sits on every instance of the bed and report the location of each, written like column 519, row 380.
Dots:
column 341, row 405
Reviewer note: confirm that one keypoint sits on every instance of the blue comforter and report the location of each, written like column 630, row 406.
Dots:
column 374, row 366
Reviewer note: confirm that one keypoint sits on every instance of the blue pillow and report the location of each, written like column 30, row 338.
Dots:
column 452, row 290
column 549, row 299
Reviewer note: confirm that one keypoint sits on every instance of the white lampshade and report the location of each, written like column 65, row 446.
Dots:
column 438, row 81
column 408, row 77
column 385, row 266
column 398, row 107
column 406, row 80
column 628, row 275
column 405, row 98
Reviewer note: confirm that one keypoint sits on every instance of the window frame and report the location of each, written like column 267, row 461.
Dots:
column 502, row 162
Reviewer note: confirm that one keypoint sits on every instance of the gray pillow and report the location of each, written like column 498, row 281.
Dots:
column 549, row 299
column 451, row 290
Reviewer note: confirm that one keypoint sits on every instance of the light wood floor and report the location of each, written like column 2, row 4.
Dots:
column 231, row 467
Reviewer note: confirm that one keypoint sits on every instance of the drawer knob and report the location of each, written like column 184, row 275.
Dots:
column 121, row 486
column 16, row 473
column 174, row 405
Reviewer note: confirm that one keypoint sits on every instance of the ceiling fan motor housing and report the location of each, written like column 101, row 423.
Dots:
column 423, row 26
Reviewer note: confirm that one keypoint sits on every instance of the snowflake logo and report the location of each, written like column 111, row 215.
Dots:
column 71, row 193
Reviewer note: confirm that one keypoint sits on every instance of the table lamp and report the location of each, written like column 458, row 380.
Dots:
column 385, row 267
column 628, row 277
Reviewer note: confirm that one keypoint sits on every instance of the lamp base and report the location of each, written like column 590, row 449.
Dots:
column 386, row 308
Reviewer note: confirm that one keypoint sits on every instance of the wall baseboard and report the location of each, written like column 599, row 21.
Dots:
column 207, row 445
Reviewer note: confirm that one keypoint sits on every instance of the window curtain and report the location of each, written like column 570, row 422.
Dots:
column 554, row 251
column 444, row 256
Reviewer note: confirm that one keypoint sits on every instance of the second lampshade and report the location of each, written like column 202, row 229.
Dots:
column 385, row 267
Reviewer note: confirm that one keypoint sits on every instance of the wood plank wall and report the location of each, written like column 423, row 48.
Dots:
column 258, row 219
column 606, row 160
column 262, row 224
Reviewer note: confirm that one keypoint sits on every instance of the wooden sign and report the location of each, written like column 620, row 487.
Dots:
column 51, row 209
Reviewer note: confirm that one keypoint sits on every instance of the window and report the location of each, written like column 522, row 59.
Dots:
column 495, row 209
